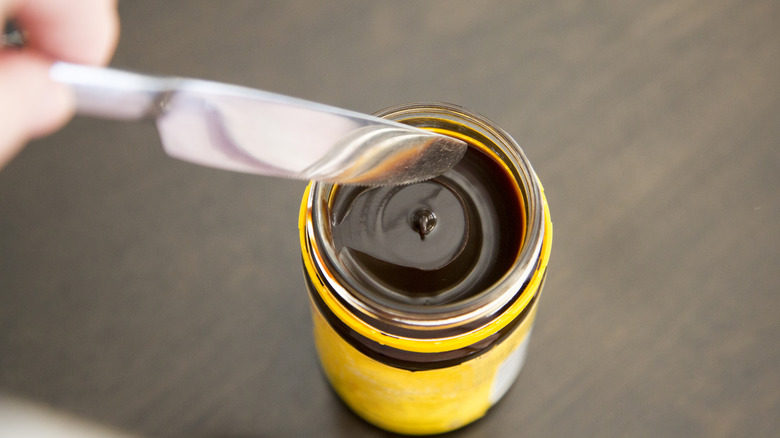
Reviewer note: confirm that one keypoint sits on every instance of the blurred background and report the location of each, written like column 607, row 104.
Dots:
column 163, row 299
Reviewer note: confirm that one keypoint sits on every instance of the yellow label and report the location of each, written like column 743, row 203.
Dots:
column 420, row 402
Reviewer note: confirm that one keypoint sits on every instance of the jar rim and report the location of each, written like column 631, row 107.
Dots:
column 477, row 309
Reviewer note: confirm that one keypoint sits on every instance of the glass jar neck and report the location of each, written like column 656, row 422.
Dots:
column 461, row 314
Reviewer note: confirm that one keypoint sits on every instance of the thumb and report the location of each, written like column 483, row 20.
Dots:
column 32, row 105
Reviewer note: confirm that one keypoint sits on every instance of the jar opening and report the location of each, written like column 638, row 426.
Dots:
column 482, row 228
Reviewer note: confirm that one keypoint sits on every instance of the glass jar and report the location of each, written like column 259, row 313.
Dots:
column 423, row 296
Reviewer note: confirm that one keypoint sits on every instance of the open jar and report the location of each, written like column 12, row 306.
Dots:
column 423, row 295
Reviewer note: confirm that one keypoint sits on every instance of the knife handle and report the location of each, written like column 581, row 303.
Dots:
column 114, row 94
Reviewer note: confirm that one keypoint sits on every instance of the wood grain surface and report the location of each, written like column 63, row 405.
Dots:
column 164, row 299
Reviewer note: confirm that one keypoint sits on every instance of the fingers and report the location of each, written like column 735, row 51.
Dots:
column 81, row 31
column 31, row 104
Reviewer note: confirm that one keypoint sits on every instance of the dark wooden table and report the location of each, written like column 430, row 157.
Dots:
column 166, row 300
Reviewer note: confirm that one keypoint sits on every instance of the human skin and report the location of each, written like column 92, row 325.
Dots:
column 31, row 104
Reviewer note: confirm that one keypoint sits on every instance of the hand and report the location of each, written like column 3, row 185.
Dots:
column 80, row 31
